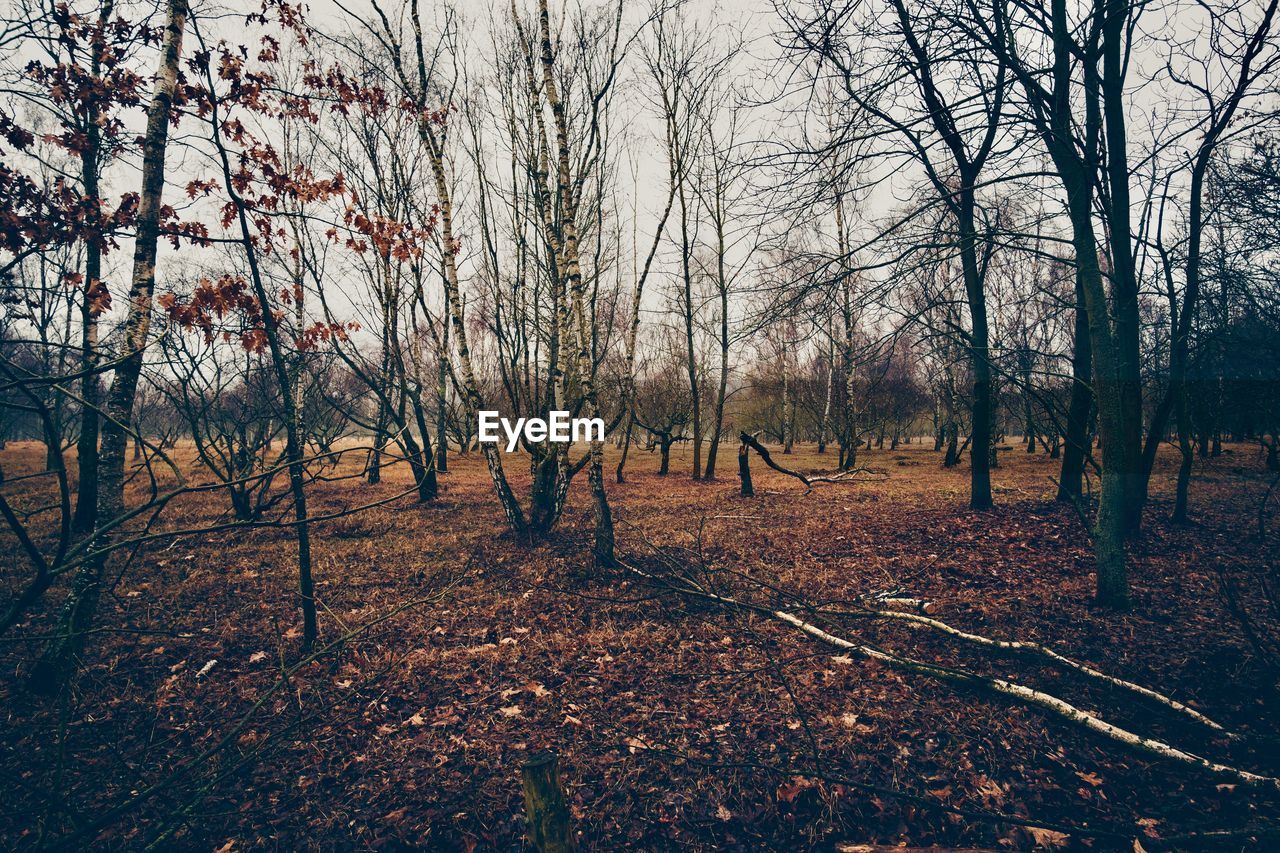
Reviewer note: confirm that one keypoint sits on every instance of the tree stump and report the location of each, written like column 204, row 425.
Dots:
column 549, row 829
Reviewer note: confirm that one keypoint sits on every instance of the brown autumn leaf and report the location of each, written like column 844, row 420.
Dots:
column 788, row 791
column 1091, row 778
column 1048, row 839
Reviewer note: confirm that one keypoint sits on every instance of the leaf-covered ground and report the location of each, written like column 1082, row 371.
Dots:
column 678, row 725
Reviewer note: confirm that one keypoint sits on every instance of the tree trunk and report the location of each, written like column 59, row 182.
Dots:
column 94, row 288
column 744, row 471
column 428, row 485
column 1187, row 453
column 626, row 448
column 952, row 457
column 549, row 825
column 848, row 417
column 60, row 657
column 1127, row 319
column 788, row 410
column 979, row 356
column 453, row 298
column 825, row 420
column 1076, row 452
column 374, row 474
column 604, row 537
column 717, row 429
column 544, row 507
column 691, row 361
column 442, row 403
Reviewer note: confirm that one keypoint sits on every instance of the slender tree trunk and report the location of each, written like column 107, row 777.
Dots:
column 1076, row 451
column 603, row 548
column 626, row 448
column 849, row 418
column 53, row 449
column 1187, row 452
column 825, row 420
column 1127, row 318
column 788, row 409
column 60, row 657
column 94, row 288
column 1112, row 383
column 442, row 403
column 979, row 356
column 1028, row 416
column 374, row 474
column 294, row 444
column 428, row 486
column 717, row 427
column 1110, row 527
column 453, row 297
column 691, row 353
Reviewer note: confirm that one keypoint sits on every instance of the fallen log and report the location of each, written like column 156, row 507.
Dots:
column 1057, row 658
column 1044, row 701
column 749, row 440
column 1040, row 699
column 898, row 598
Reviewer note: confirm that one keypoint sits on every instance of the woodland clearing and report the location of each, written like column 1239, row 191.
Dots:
column 677, row 724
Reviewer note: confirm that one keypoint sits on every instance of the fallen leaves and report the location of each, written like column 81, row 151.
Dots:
column 635, row 744
column 796, row 785
column 991, row 792
column 1090, row 778
column 1048, row 839
column 622, row 689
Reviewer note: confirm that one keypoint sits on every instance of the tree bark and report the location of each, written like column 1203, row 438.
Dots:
column 1126, row 438
column 59, row 659
column 848, row 438
column 442, row 403
column 744, row 471
column 449, row 246
column 87, row 459
column 549, row 826
column 722, row 285
column 979, row 356
column 604, row 536
column 1076, row 451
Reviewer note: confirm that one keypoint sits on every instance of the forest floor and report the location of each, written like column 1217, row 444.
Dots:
column 677, row 724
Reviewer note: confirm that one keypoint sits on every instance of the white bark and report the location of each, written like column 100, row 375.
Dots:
column 1046, row 652
column 1027, row 695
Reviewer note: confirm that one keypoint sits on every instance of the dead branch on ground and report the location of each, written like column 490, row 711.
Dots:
column 851, row 476
column 683, row 584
